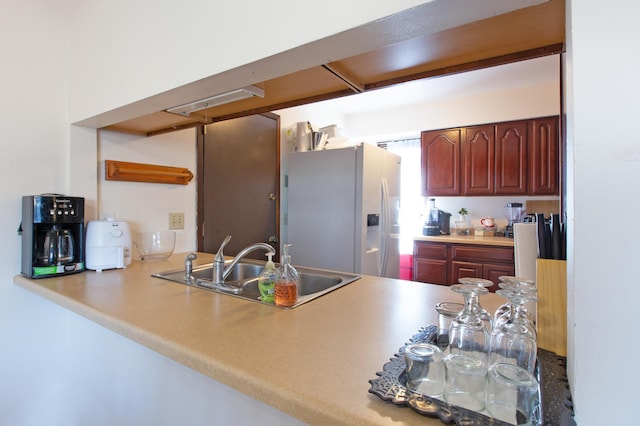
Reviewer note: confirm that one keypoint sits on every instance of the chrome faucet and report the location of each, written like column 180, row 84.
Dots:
column 220, row 272
column 188, row 266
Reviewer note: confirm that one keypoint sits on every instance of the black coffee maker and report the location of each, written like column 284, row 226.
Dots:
column 52, row 235
column 438, row 221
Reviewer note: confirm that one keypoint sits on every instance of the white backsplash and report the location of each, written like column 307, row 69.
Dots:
column 479, row 207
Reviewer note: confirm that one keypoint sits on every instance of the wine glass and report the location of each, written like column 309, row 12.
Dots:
column 520, row 284
column 513, row 339
column 467, row 333
column 484, row 315
column 514, row 309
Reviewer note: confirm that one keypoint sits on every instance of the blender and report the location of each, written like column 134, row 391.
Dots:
column 513, row 212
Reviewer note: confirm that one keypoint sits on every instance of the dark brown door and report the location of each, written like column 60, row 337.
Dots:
column 238, row 184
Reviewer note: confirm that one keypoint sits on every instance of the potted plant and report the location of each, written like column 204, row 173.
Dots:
column 462, row 227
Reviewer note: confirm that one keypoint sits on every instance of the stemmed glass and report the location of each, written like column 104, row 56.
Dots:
column 467, row 333
column 513, row 339
column 515, row 306
column 518, row 285
column 484, row 315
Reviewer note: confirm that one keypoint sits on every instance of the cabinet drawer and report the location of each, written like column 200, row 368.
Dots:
column 430, row 250
column 482, row 253
column 465, row 269
column 430, row 271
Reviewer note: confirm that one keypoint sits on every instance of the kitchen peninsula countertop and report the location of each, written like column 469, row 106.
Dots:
column 467, row 239
column 330, row 347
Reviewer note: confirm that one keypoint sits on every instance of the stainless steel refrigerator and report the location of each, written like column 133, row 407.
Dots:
column 343, row 210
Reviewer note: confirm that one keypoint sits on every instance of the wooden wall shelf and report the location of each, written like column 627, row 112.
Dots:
column 139, row 172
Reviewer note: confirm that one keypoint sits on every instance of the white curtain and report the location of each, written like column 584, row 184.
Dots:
column 411, row 200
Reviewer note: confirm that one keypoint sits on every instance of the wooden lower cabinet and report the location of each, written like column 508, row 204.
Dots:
column 430, row 270
column 445, row 263
column 465, row 269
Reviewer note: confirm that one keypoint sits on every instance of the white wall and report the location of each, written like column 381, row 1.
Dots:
column 181, row 42
column 34, row 159
column 604, row 170
column 146, row 206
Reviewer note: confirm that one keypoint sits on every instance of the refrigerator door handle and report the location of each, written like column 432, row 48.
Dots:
column 385, row 227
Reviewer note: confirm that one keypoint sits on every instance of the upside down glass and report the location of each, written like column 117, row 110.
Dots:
column 514, row 309
column 513, row 339
column 512, row 395
column 466, row 381
column 521, row 286
column 484, row 315
column 425, row 369
column 467, row 334
column 447, row 311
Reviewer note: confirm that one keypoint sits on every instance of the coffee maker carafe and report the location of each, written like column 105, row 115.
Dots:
column 52, row 235
column 514, row 213
column 58, row 247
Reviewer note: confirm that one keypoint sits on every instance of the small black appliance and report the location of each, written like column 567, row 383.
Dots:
column 444, row 223
column 52, row 235
column 514, row 213
column 438, row 221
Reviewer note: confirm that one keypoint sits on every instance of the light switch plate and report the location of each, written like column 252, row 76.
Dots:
column 176, row 220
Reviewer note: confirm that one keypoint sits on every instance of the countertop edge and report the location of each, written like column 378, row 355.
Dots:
column 283, row 400
column 467, row 239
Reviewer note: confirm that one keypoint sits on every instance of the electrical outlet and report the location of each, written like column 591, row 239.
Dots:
column 176, row 220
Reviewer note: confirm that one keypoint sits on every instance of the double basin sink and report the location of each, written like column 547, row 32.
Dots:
column 242, row 282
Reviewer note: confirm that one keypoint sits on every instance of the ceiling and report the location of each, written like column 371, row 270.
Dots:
column 533, row 72
column 532, row 32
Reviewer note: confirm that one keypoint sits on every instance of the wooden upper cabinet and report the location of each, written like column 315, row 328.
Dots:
column 511, row 158
column 544, row 152
column 441, row 162
column 478, row 158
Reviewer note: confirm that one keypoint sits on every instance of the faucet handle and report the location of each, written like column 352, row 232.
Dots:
column 219, row 255
column 191, row 257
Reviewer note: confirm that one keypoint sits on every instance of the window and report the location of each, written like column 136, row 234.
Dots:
column 411, row 200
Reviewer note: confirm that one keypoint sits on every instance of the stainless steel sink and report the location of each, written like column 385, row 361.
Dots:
column 242, row 282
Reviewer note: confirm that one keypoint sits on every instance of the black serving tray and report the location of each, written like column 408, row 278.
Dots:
column 555, row 397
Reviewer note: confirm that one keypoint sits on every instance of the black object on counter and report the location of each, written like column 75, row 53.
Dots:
column 541, row 226
column 551, row 235
column 556, row 237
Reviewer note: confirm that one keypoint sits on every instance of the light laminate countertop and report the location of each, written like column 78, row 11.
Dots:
column 322, row 353
column 468, row 239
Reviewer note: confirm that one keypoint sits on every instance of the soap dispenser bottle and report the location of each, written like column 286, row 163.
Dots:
column 286, row 293
column 267, row 281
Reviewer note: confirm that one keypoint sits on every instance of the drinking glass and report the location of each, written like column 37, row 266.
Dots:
column 513, row 339
column 425, row 369
column 465, row 382
column 512, row 395
column 467, row 334
column 519, row 285
column 447, row 311
column 484, row 315
column 514, row 309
